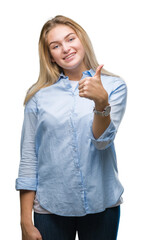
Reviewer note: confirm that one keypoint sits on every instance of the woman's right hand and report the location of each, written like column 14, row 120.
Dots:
column 30, row 232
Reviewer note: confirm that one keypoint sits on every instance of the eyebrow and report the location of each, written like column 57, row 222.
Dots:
column 64, row 38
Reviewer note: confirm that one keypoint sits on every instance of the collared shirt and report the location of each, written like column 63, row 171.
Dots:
column 73, row 173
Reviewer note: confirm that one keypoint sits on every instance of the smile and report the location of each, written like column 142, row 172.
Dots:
column 69, row 56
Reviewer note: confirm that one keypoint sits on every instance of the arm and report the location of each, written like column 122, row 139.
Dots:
column 27, row 177
column 117, row 99
column 100, row 123
column 29, row 232
column 26, row 206
column 93, row 89
column 104, row 129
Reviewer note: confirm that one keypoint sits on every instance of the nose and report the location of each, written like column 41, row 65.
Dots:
column 65, row 48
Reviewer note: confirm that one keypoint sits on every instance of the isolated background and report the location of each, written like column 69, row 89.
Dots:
column 115, row 29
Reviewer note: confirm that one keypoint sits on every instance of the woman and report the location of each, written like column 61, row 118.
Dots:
column 68, row 170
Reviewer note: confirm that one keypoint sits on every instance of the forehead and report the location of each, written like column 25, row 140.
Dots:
column 59, row 32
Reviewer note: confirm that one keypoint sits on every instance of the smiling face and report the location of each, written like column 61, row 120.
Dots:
column 66, row 48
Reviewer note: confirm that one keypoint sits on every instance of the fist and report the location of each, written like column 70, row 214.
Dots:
column 92, row 88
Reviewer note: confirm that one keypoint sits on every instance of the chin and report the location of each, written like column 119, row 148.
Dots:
column 72, row 66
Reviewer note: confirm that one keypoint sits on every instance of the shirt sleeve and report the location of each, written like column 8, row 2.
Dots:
column 27, row 176
column 117, row 100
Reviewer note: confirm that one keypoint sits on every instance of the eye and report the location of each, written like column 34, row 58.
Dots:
column 71, row 39
column 56, row 46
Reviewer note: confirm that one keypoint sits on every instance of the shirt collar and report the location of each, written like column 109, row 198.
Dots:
column 90, row 72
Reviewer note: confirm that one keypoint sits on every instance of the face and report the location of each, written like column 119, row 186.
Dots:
column 66, row 49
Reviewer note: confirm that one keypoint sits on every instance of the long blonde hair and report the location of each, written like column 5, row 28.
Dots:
column 50, row 71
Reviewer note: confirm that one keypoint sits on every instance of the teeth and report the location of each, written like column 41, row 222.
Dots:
column 69, row 55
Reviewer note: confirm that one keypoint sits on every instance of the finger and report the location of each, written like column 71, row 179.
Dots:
column 98, row 70
column 82, row 94
column 81, row 81
column 81, row 86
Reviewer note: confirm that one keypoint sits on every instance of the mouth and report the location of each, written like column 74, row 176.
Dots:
column 69, row 56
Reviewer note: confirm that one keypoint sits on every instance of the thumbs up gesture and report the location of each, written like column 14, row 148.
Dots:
column 92, row 88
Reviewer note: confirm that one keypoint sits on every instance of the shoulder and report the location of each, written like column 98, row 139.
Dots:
column 112, row 81
column 31, row 104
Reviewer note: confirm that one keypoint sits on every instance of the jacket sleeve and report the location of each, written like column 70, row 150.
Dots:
column 27, row 176
column 117, row 100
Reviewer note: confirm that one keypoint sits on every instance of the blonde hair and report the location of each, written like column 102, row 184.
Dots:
column 50, row 71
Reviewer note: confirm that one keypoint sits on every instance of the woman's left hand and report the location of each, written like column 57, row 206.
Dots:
column 92, row 88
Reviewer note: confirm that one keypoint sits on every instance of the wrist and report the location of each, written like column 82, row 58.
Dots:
column 101, row 103
column 26, row 224
column 25, row 221
column 104, row 113
column 101, row 106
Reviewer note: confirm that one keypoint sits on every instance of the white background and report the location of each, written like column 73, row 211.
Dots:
column 115, row 29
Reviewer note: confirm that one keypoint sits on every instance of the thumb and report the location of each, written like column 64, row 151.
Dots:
column 98, row 70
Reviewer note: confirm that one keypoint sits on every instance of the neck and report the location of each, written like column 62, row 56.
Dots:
column 75, row 74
